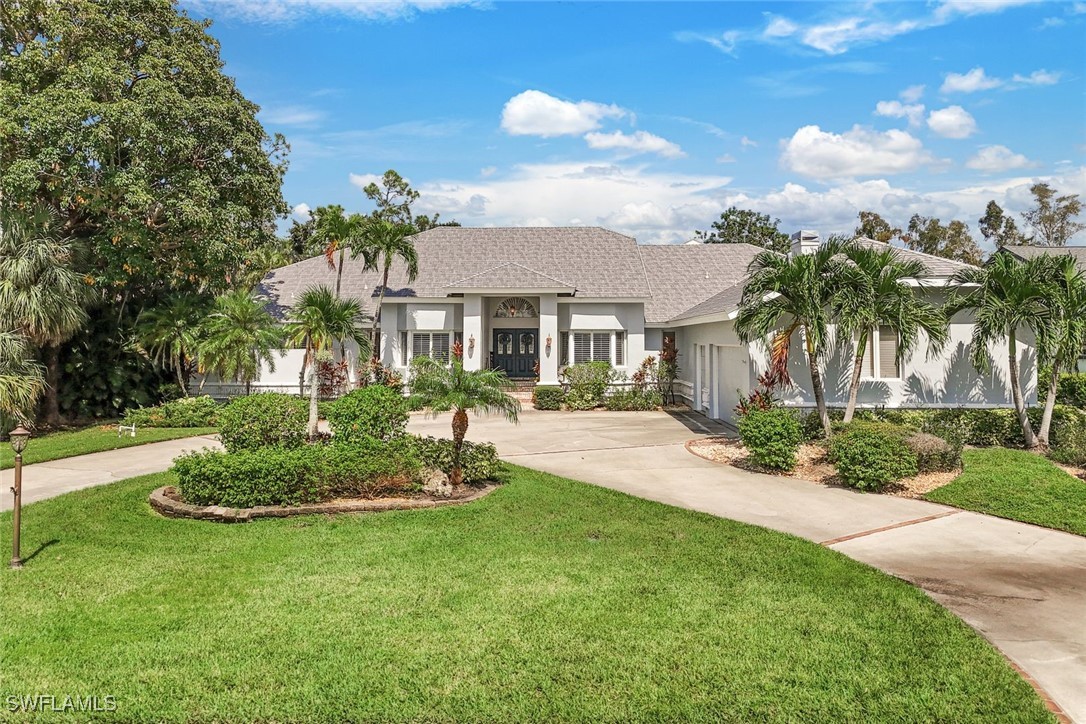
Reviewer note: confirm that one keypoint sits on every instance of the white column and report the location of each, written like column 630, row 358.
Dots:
column 548, row 329
column 473, row 329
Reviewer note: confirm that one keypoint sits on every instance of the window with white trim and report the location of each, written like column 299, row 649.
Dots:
column 403, row 348
column 880, row 355
column 620, row 349
column 430, row 344
column 594, row 347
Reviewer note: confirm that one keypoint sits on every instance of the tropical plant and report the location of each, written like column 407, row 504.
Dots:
column 383, row 243
column 239, row 335
column 43, row 293
column 886, row 295
column 21, row 379
column 786, row 294
column 319, row 320
column 170, row 334
column 441, row 387
column 1006, row 296
column 336, row 231
column 1063, row 336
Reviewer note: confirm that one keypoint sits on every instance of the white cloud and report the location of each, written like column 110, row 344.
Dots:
column 726, row 158
column 857, row 152
column 634, row 143
column 952, row 122
column 747, row 143
column 838, row 37
column 291, row 116
column 1052, row 23
column 289, row 11
column 301, row 212
column 779, row 27
column 487, row 171
column 1037, row 77
column 970, row 82
column 996, row 159
column 913, row 93
column 534, row 113
column 897, row 109
column 362, row 180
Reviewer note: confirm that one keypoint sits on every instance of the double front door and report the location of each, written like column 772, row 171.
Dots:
column 516, row 351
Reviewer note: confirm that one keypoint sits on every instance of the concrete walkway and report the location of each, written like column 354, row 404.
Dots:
column 46, row 480
column 1020, row 586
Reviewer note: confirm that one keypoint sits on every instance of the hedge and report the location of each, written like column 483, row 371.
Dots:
column 183, row 412
column 633, row 400
column 548, row 397
column 772, row 436
column 870, row 455
column 376, row 412
column 479, row 461
column 266, row 419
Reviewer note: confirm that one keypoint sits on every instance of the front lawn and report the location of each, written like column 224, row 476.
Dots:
column 1018, row 485
column 57, row 445
column 548, row 600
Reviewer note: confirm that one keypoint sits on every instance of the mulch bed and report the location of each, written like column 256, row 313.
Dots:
column 811, row 466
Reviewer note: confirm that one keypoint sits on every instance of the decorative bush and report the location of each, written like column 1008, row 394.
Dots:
column 633, row 400
column 870, row 455
column 933, row 453
column 548, row 397
column 266, row 419
column 772, row 436
column 375, row 411
column 293, row 476
column 479, row 460
column 1072, row 390
column 184, row 412
column 812, row 426
column 588, row 383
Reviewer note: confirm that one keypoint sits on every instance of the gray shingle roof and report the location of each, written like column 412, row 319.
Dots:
column 937, row 265
column 510, row 275
column 1028, row 252
column 683, row 276
column 725, row 302
column 281, row 286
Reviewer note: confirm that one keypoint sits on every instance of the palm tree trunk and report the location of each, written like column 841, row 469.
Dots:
column 817, row 387
column 52, row 381
column 312, row 428
column 301, row 374
column 179, row 368
column 460, row 429
column 376, row 343
column 1050, row 402
column 339, row 271
column 1016, row 392
column 857, row 369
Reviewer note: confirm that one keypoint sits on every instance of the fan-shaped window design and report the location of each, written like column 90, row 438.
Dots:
column 517, row 307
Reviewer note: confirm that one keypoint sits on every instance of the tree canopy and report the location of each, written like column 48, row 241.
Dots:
column 953, row 241
column 393, row 198
column 1052, row 217
column 740, row 226
column 999, row 228
column 124, row 124
column 873, row 226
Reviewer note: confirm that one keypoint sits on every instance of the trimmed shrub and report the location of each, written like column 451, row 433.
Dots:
column 811, row 426
column 633, row 400
column 479, row 460
column 772, row 436
column 933, row 453
column 266, row 419
column 294, row 476
column 548, row 397
column 376, row 412
column 870, row 455
column 184, row 412
column 588, row 383
column 1071, row 390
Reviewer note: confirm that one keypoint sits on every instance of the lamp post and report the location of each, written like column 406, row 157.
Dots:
column 18, row 436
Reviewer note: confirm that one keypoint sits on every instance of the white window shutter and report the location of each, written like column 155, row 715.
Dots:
column 582, row 347
column 888, row 366
column 601, row 346
column 420, row 344
column 620, row 349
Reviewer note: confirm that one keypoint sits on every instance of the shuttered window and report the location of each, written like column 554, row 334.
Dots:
column 427, row 344
column 620, row 349
column 582, row 347
column 420, row 344
column 403, row 348
column 888, row 364
column 563, row 348
column 601, row 346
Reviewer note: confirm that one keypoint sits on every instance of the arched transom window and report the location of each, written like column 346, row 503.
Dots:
column 515, row 307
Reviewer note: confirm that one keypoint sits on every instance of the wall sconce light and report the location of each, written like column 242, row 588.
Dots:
column 549, row 340
column 471, row 343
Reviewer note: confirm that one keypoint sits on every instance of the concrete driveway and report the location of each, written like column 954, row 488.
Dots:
column 1020, row 586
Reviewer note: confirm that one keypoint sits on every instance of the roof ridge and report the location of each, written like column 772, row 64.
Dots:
column 913, row 251
column 507, row 264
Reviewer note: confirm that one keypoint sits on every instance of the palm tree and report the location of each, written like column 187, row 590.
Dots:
column 784, row 294
column 319, row 321
column 336, row 231
column 1005, row 296
column 1062, row 338
column 21, row 379
column 42, row 292
column 887, row 296
column 443, row 387
column 383, row 243
column 170, row 334
column 238, row 336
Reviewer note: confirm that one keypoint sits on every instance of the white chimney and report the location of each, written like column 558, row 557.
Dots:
column 805, row 241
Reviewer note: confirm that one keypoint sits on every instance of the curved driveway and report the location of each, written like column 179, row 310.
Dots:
column 1020, row 586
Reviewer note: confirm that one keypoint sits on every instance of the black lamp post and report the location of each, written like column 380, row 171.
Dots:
column 18, row 436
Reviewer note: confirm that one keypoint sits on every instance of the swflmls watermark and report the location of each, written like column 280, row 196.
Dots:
column 50, row 703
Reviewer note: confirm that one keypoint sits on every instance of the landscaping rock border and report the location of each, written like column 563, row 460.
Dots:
column 166, row 502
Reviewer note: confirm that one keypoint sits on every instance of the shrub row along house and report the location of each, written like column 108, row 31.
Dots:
column 530, row 301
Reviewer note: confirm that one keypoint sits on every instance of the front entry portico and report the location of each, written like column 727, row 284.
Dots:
column 516, row 352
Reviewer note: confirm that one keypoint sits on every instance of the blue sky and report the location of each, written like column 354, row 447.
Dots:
column 651, row 118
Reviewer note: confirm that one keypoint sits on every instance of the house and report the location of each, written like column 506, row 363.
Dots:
column 531, row 300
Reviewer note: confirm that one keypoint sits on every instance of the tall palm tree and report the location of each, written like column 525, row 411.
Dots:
column 1005, row 296
column 170, row 334
column 337, row 231
column 383, row 243
column 42, row 291
column 441, row 387
column 239, row 335
column 1063, row 337
column 22, row 379
column 319, row 321
column 784, row 294
column 886, row 296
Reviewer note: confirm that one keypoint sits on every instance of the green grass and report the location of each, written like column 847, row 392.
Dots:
column 548, row 600
column 57, row 445
column 1018, row 485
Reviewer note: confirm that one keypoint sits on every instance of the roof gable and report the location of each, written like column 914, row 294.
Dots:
column 511, row 275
